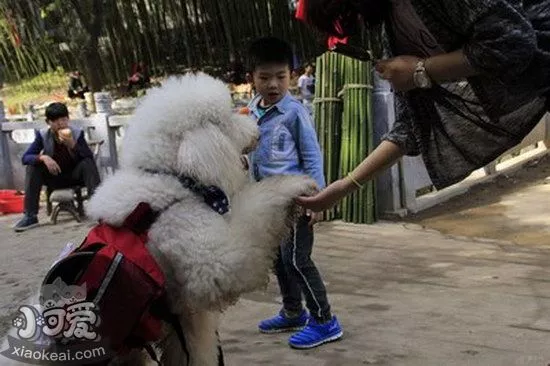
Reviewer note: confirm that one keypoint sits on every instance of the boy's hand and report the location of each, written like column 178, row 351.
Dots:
column 51, row 164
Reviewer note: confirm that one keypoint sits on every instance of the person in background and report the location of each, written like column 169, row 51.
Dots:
column 293, row 85
column 140, row 77
column 306, row 85
column 240, row 84
column 59, row 157
column 76, row 87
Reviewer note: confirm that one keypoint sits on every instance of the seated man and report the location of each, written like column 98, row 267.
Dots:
column 76, row 88
column 140, row 77
column 59, row 157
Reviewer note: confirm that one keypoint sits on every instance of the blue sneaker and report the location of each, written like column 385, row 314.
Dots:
column 26, row 223
column 315, row 334
column 281, row 323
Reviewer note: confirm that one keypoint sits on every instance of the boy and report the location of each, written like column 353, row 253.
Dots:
column 58, row 157
column 288, row 145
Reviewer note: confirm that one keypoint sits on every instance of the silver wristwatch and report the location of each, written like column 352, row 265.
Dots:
column 420, row 76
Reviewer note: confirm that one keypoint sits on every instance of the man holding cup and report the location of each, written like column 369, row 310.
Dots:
column 59, row 157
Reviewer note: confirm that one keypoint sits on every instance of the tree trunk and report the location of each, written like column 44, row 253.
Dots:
column 92, row 64
column 92, row 24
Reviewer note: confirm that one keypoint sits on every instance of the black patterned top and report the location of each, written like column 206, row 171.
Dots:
column 462, row 126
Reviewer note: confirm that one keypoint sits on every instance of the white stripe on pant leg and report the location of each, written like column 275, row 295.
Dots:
column 300, row 272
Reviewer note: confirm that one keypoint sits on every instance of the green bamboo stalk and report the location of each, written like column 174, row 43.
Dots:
column 372, row 189
column 355, row 133
column 363, row 122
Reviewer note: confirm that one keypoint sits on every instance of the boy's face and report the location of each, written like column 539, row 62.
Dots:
column 271, row 82
column 58, row 124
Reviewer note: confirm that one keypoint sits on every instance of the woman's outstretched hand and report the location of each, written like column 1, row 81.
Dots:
column 328, row 197
column 384, row 156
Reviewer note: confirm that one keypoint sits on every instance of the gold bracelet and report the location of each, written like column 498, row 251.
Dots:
column 359, row 185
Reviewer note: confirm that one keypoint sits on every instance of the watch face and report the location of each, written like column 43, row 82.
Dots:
column 421, row 80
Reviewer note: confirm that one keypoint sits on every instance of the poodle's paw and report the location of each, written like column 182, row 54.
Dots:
column 294, row 186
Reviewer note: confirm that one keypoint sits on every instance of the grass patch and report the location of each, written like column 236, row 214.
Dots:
column 43, row 88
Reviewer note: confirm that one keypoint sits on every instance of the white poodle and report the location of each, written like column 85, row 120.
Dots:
column 187, row 128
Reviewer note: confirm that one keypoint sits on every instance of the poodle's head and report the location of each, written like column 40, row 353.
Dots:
column 187, row 127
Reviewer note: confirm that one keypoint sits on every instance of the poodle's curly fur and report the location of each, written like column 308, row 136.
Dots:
column 187, row 127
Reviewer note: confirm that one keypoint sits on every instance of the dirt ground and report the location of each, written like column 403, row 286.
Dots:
column 514, row 208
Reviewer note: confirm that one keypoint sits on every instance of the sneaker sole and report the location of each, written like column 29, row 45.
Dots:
column 22, row 229
column 327, row 340
column 281, row 330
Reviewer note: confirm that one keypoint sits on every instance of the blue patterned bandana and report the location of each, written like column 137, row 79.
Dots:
column 213, row 196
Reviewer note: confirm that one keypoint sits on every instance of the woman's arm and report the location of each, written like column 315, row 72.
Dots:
column 499, row 42
column 384, row 156
column 449, row 67
column 442, row 68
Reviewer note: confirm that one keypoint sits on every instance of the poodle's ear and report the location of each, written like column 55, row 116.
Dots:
column 242, row 130
column 206, row 153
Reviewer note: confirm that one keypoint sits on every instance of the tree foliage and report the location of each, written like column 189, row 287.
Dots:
column 105, row 38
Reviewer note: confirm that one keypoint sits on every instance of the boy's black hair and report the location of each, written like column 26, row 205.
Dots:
column 55, row 111
column 269, row 50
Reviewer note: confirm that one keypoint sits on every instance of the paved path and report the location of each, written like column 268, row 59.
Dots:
column 513, row 208
column 408, row 296
column 405, row 295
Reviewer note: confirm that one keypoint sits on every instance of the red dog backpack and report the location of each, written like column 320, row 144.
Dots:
column 123, row 280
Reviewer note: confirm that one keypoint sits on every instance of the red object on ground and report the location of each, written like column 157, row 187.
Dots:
column 244, row 110
column 11, row 201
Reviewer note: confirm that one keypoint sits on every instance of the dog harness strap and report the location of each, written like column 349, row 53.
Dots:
column 220, row 350
column 161, row 309
column 141, row 218
column 173, row 320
